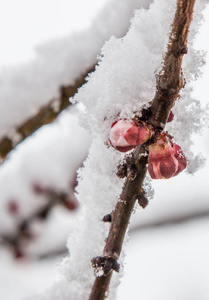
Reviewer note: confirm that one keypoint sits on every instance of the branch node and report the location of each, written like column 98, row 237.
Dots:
column 132, row 171
column 103, row 265
column 122, row 170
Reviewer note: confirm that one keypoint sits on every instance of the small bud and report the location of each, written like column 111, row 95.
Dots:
column 71, row 205
column 13, row 207
column 170, row 117
column 18, row 253
column 179, row 155
column 132, row 172
column 39, row 189
column 142, row 199
column 125, row 135
column 122, row 171
column 162, row 163
column 107, row 218
column 69, row 201
column 104, row 264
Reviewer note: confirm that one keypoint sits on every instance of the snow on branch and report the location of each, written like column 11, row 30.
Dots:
column 122, row 86
column 33, row 94
column 168, row 87
column 45, row 115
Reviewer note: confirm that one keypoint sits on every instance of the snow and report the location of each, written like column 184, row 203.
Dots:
column 26, row 87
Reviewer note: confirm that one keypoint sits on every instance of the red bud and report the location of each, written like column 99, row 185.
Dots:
column 170, row 117
column 165, row 159
column 162, row 163
column 13, row 207
column 125, row 135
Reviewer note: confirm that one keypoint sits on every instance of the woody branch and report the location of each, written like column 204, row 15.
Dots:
column 169, row 83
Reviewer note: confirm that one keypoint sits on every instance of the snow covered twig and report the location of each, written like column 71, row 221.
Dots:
column 45, row 115
column 120, row 219
column 169, row 83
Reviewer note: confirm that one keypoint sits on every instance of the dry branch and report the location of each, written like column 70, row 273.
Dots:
column 169, row 83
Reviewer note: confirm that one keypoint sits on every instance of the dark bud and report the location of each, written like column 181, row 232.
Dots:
column 142, row 199
column 18, row 253
column 170, row 117
column 43, row 214
column 132, row 172
column 38, row 189
column 24, row 226
column 105, row 263
column 13, row 207
column 184, row 50
column 107, row 218
column 113, row 264
column 122, row 171
column 70, row 205
column 69, row 201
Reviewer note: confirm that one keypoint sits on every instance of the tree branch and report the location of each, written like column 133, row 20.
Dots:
column 169, row 83
column 45, row 115
column 170, row 80
column 120, row 220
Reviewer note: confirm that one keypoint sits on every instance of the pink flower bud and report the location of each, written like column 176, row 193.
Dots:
column 162, row 163
column 13, row 206
column 179, row 155
column 125, row 135
column 170, row 117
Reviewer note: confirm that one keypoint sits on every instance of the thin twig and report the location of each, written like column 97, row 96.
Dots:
column 169, row 83
column 45, row 115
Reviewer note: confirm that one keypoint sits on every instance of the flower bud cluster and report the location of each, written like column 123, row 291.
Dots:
column 126, row 135
column 166, row 159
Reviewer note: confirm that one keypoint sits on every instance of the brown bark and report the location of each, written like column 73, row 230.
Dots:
column 120, row 220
